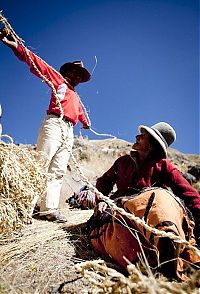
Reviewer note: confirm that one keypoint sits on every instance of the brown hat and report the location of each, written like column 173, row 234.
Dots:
column 78, row 65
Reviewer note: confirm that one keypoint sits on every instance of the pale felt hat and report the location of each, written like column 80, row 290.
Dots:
column 164, row 134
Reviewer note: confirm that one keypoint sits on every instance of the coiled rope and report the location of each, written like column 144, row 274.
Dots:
column 131, row 216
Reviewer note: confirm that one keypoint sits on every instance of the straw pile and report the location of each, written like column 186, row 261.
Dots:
column 21, row 179
column 109, row 280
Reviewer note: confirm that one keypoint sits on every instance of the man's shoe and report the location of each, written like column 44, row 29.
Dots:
column 55, row 217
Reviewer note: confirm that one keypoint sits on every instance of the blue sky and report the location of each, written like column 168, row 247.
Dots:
column 147, row 65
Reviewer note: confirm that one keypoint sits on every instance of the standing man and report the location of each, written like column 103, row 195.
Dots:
column 55, row 137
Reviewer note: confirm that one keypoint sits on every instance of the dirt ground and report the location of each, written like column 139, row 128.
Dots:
column 41, row 258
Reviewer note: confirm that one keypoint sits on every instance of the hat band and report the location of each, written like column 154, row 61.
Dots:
column 161, row 137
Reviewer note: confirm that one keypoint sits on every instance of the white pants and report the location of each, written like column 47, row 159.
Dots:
column 50, row 141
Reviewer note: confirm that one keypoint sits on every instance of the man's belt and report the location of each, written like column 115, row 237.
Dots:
column 58, row 115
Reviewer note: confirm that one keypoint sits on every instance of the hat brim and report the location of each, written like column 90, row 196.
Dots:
column 155, row 136
column 83, row 72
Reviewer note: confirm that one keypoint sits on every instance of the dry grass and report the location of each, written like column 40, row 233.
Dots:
column 21, row 180
column 108, row 280
column 47, row 257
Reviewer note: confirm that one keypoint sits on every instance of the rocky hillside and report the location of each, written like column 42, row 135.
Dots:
column 96, row 156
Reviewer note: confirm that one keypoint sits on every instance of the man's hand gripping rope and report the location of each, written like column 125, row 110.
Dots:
column 7, row 30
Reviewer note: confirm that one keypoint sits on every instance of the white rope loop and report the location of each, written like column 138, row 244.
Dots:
column 100, row 134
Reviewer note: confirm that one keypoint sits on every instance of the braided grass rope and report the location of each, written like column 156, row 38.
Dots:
column 83, row 178
column 140, row 221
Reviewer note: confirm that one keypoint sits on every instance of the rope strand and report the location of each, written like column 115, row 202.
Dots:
column 94, row 66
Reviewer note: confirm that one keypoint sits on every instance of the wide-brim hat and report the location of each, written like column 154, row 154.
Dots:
column 163, row 133
column 78, row 65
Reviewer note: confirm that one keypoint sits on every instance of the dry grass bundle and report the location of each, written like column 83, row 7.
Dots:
column 108, row 280
column 21, row 179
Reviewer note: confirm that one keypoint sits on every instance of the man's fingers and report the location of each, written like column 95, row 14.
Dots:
column 101, row 207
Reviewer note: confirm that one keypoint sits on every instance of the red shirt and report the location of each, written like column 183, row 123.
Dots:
column 129, row 176
column 68, row 97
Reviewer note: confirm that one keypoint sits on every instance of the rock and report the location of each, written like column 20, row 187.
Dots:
column 195, row 171
column 190, row 178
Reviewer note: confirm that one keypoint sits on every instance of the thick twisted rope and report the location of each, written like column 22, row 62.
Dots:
column 83, row 177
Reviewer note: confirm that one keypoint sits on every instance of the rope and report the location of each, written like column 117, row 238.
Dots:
column 86, row 113
column 88, row 119
column 83, row 177
column 94, row 66
column 100, row 134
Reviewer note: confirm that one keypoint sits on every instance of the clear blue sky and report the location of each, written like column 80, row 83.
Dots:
column 147, row 70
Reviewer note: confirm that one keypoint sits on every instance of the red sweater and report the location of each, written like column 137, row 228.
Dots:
column 128, row 176
column 69, row 99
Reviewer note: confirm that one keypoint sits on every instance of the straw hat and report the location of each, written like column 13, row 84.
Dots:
column 162, row 132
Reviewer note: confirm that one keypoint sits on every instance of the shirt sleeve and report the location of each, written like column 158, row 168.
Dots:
column 181, row 187
column 106, row 182
column 82, row 118
column 38, row 66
